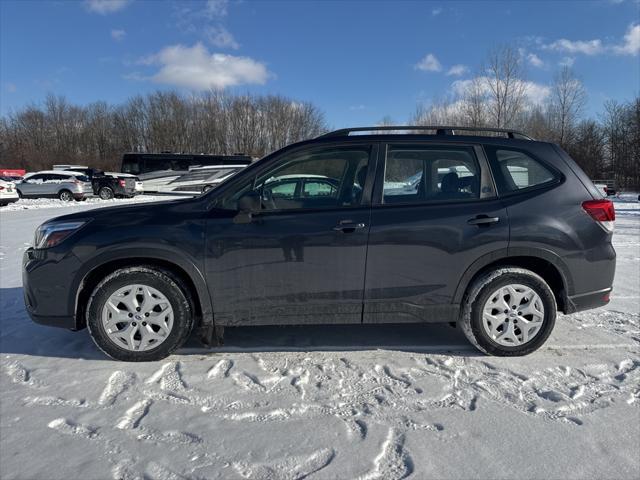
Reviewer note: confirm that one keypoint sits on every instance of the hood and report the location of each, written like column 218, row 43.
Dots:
column 118, row 214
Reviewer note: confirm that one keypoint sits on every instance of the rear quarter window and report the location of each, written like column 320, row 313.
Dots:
column 515, row 170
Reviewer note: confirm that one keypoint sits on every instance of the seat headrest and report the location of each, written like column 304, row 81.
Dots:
column 450, row 183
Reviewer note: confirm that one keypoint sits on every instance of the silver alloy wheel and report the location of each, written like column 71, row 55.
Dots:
column 513, row 315
column 137, row 317
column 66, row 196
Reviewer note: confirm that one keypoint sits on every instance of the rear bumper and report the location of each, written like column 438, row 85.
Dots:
column 589, row 300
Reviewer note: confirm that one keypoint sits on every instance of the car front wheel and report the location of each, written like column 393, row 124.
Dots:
column 139, row 314
column 508, row 312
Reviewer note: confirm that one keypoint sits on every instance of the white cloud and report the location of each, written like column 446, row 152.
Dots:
column 118, row 35
column 535, row 60
column 631, row 45
column 221, row 37
column 537, row 93
column 457, row 70
column 197, row 69
column 587, row 47
column 104, row 7
column 217, row 8
column 429, row 64
column 10, row 87
column 436, row 11
column 357, row 107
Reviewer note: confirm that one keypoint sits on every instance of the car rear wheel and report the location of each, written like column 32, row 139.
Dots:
column 106, row 193
column 139, row 314
column 65, row 196
column 508, row 312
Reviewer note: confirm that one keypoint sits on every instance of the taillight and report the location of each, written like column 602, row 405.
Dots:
column 122, row 183
column 602, row 211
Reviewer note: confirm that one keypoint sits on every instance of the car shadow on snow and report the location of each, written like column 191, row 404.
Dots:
column 20, row 335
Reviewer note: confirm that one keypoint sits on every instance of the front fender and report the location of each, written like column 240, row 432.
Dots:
column 139, row 255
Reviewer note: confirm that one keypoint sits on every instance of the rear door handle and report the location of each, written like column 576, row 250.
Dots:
column 347, row 226
column 483, row 220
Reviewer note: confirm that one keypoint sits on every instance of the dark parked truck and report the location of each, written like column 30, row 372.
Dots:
column 107, row 186
column 442, row 224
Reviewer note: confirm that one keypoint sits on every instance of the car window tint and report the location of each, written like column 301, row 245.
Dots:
column 315, row 188
column 286, row 189
column 417, row 174
column 515, row 170
column 330, row 178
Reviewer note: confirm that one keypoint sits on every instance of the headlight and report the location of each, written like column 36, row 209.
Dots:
column 51, row 234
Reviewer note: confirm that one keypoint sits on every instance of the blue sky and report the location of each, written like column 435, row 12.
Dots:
column 358, row 61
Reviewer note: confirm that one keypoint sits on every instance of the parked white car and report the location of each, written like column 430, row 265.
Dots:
column 200, row 179
column 65, row 185
column 8, row 192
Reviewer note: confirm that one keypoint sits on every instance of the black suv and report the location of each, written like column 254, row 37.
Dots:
column 494, row 232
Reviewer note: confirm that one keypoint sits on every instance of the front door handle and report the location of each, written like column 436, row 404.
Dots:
column 347, row 226
column 483, row 220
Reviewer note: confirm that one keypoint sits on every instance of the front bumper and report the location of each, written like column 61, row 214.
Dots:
column 46, row 279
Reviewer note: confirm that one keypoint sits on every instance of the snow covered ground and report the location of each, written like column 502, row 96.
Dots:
column 368, row 402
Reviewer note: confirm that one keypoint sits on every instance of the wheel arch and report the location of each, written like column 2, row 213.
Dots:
column 542, row 262
column 188, row 273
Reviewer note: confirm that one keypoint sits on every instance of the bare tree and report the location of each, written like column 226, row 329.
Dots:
column 474, row 103
column 567, row 103
column 504, row 79
column 97, row 134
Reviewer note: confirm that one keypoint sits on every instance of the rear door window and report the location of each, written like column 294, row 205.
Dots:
column 418, row 174
column 515, row 170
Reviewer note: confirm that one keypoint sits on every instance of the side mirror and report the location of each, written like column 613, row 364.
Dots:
column 248, row 204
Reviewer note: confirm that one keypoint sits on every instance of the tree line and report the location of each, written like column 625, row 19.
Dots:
column 498, row 95
column 38, row 136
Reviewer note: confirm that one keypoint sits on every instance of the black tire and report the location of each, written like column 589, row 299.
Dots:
column 65, row 195
column 478, row 294
column 19, row 193
column 106, row 193
column 162, row 280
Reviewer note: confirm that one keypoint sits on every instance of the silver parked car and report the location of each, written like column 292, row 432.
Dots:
column 55, row 184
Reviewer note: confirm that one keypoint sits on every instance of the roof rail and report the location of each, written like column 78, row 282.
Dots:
column 439, row 129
